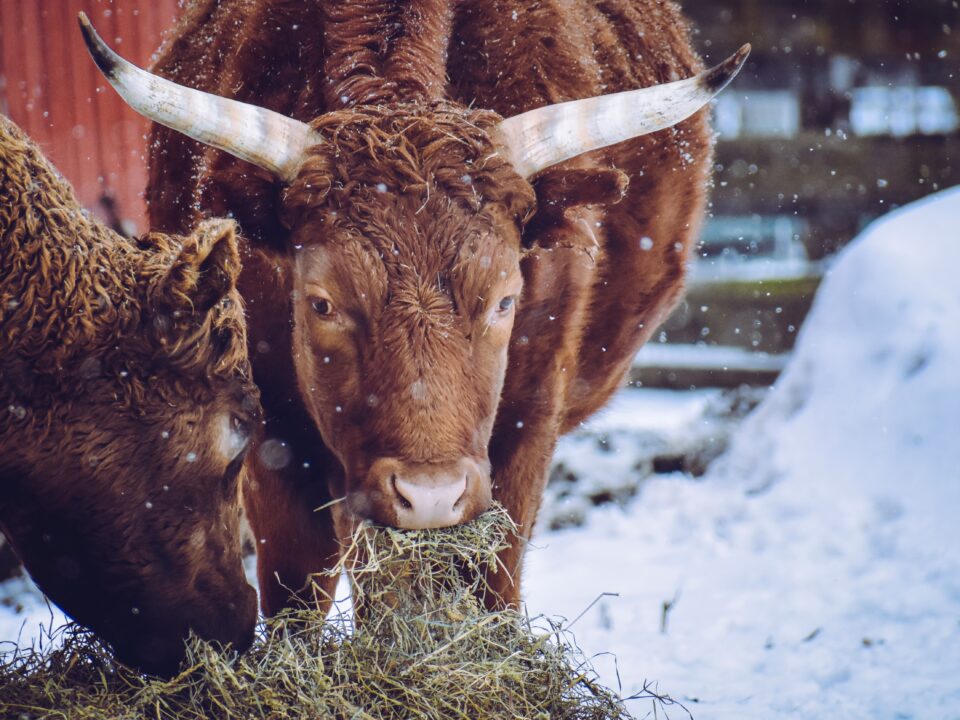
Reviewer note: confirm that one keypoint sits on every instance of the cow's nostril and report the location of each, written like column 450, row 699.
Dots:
column 404, row 501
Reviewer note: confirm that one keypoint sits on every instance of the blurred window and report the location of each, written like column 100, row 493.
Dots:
column 736, row 237
column 759, row 113
column 903, row 111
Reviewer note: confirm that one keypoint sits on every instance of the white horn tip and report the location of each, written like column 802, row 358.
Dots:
column 717, row 78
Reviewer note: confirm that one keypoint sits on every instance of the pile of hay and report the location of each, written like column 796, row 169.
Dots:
column 425, row 649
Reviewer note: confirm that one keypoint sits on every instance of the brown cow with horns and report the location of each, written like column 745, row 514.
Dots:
column 436, row 293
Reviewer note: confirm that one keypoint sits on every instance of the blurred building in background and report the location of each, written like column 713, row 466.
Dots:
column 846, row 110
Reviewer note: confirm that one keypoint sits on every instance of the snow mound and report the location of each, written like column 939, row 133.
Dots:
column 871, row 399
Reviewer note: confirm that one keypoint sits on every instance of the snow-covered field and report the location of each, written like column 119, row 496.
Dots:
column 814, row 570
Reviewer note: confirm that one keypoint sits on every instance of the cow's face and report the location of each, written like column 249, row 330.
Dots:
column 122, row 494
column 406, row 280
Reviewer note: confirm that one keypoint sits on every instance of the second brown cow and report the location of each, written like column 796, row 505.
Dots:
column 126, row 402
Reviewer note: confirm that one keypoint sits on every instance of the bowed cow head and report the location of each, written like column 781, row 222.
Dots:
column 127, row 403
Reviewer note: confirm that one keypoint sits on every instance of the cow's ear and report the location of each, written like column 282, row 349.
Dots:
column 561, row 192
column 205, row 270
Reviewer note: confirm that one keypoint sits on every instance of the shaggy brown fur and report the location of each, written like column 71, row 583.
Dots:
column 413, row 268
column 123, row 367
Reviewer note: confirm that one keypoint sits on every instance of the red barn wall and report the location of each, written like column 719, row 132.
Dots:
column 51, row 88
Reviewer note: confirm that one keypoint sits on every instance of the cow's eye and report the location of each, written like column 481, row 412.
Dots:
column 322, row 306
column 506, row 305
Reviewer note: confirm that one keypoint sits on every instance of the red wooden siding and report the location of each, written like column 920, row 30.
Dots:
column 51, row 88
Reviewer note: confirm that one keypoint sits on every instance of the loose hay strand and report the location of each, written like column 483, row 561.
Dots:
column 424, row 648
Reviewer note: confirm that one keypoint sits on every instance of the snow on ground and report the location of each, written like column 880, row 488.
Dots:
column 815, row 571
column 642, row 433
column 26, row 618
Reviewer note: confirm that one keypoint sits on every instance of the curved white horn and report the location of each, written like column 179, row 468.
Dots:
column 260, row 136
column 543, row 137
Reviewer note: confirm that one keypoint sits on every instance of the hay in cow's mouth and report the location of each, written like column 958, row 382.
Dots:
column 425, row 649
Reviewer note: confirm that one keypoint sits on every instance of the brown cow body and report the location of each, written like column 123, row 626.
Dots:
column 124, row 388
column 404, row 194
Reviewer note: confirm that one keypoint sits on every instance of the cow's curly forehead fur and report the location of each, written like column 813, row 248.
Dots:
column 419, row 204
column 408, row 148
